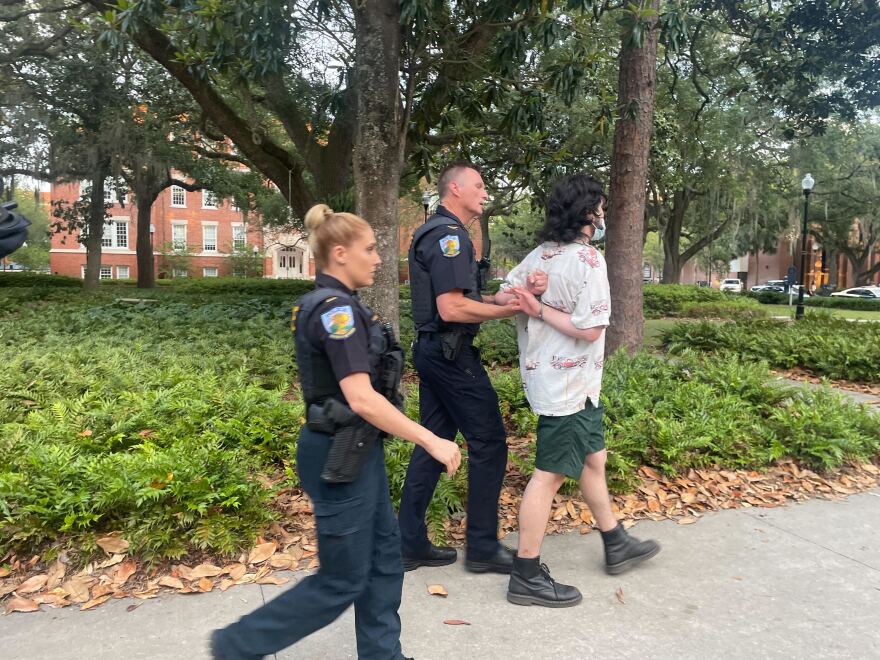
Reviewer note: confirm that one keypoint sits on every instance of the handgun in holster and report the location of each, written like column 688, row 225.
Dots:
column 353, row 439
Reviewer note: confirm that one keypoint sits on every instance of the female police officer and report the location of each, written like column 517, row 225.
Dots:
column 339, row 342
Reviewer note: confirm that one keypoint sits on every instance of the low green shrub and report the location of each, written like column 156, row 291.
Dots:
column 722, row 309
column 831, row 347
column 39, row 280
column 242, row 286
column 664, row 300
column 829, row 302
column 157, row 419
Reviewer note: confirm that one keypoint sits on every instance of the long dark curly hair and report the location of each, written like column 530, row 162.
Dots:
column 572, row 198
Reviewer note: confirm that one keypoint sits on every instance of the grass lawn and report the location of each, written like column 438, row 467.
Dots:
column 653, row 328
column 785, row 310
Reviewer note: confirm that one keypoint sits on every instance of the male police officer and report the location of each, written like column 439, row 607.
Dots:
column 455, row 393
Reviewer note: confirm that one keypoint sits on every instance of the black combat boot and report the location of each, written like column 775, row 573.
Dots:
column 531, row 584
column 623, row 551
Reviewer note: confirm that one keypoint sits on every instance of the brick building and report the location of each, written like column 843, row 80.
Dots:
column 193, row 234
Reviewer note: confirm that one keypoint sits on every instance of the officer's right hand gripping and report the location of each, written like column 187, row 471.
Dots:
column 447, row 452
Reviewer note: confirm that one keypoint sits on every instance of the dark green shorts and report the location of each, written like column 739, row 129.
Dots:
column 565, row 442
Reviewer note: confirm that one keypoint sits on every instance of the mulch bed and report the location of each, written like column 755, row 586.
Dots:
column 27, row 583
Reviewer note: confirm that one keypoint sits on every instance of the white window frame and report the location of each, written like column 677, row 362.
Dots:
column 179, row 272
column 104, row 273
column 112, row 226
column 209, row 200
column 177, row 244
column 123, row 269
column 177, row 190
column 210, row 268
column 239, row 242
column 205, row 244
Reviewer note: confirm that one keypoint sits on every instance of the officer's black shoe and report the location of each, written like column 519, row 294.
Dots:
column 623, row 551
column 531, row 584
column 435, row 556
column 500, row 562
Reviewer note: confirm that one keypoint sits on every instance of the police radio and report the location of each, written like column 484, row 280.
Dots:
column 13, row 227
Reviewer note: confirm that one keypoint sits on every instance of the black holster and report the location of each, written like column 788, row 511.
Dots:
column 451, row 343
column 353, row 439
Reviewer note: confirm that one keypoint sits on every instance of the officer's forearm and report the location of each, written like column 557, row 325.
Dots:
column 371, row 406
column 453, row 307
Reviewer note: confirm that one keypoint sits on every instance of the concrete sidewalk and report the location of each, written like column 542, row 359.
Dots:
column 797, row 581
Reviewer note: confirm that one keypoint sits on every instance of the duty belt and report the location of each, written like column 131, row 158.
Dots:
column 467, row 340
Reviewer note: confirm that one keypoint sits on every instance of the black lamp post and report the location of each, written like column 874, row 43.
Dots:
column 426, row 202
column 807, row 186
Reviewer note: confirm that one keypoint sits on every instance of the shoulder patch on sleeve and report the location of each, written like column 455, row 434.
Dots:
column 450, row 245
column 339, row 322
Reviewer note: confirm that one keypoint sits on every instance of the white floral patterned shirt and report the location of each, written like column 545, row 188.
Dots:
column 560, row 372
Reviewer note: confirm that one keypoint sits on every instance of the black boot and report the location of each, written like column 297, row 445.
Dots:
column 531, row 584
column 623, row 551
column 435, row 555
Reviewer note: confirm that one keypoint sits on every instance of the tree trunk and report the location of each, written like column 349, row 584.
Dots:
column 96, row 219
column 832, row 267
column 146, row 277
column 672, row 261
column 629, row 167
column 376, row 153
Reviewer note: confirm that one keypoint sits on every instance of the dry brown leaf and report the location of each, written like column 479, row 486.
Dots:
column 113, row 544
column 133, row 607
column 272, row 579
column 205, row 570
column 85, row 434
column 569, row 506
column 281, row 561
column 226, row 583
column 101, row 590
column 32, row 584
column 78, row 588
column 56, row 575
column 437, row 590
column 107, row 563
column 236, row 570
column 619, row 594
column 205, row 585
column 51, row 599
column 261, row 553
column 95, row 602
column 687, row 520
column 587, row 517
column 125, row 570
column 247, row 578
column 4, row 571
column 456, row 622
column 313, row 564
column 185, row 572
column 170, row 582
column 152, row 592
column 20, row 604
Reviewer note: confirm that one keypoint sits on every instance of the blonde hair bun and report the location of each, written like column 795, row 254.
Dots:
column 317, row 215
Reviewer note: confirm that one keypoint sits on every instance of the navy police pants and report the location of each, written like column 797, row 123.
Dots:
column 359, row 551
column 455, row 396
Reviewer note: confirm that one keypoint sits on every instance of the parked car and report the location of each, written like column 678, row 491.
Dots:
column 769, row 285
column 870, row 292
column 732, row 285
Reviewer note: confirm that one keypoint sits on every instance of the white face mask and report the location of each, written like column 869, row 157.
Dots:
column 598, row 233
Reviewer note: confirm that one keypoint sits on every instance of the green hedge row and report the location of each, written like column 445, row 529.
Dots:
column 829, row 302
column 827, row 346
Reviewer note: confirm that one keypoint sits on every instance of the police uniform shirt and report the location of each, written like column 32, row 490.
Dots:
column 447, row 253
column 339, row 325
